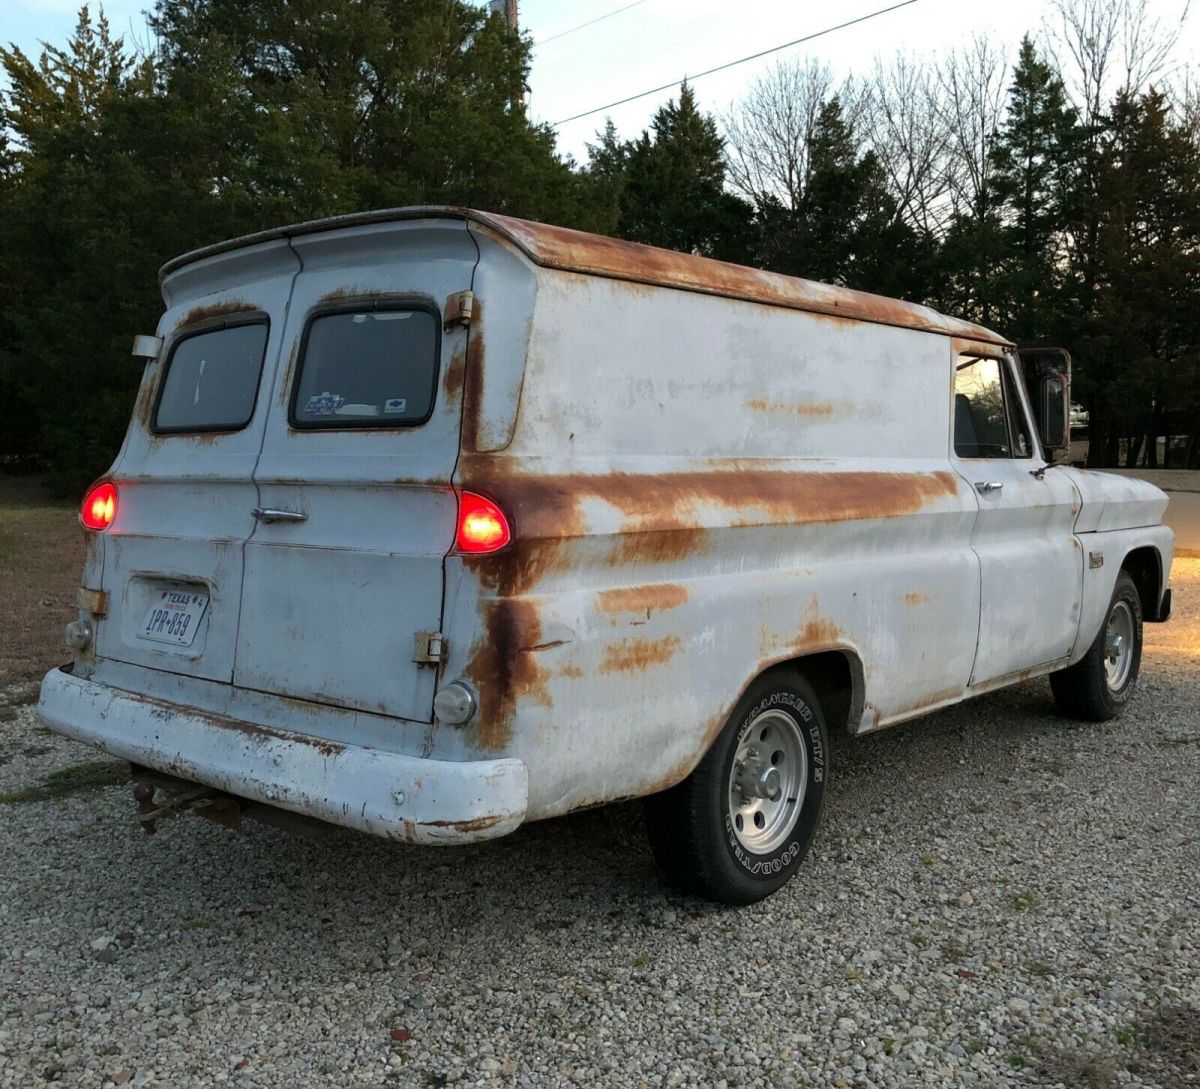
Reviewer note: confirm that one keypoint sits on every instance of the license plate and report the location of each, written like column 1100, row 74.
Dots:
column 174, row 616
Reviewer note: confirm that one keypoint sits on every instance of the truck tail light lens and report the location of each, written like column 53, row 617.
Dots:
column 99, row 506
column 482, row 525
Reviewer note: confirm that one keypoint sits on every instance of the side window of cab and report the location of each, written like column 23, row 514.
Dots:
column 989, row 420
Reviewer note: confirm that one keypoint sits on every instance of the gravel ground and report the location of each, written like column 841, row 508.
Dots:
column 998, row 898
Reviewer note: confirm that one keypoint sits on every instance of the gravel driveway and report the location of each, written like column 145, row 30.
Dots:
column 998, row 897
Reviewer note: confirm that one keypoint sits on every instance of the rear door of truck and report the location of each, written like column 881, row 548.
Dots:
column 344, row 568
column 172, row 559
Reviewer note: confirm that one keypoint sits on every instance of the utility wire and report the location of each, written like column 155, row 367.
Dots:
column 598, row 19
column 740, row 60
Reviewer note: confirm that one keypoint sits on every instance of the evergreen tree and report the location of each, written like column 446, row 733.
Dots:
column 74, row 277
column 1139, row 373
column 1034, row 162
column 329, row 106
column 846, row 227
column 607, row 162
column 674, row 186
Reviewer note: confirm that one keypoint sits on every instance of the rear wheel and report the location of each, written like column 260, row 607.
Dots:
column 1099, row 685
column 737, row 828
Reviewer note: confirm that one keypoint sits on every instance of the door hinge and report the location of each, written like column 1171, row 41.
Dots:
column 430, row 648
column 459, row 308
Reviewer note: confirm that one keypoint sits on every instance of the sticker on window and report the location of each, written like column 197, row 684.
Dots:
column 396, row 404
column 324, row 404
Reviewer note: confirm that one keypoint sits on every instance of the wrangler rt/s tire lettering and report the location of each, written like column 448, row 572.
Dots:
column 738, row 827
column 1101, row 683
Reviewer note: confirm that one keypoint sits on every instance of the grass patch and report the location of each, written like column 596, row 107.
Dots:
column 41, row 557
column 75, row 779
column 1171, row 1043
column 1079, row 1068
column 955, row 950
column 1024, row 900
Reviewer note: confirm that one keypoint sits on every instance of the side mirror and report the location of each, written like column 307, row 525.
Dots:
column 1053, row 418
column 1048, row 382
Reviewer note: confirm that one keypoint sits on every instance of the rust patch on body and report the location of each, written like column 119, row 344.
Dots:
column 351, row 294
column 635, row 655
column 213, row 311
column 476, row 824
column 503, row 668
column 924, row 703
column 656, row 597
column 662, row 517
column 818, row 633
column 658, row 546
column 456, row 372
column 810, row 411
column 145, row 402
column 289, row 368
column 473, row 379
column 576, row 251
column 915, row 598
column 550, row 505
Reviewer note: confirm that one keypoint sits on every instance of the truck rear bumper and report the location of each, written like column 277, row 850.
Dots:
column 383, row 793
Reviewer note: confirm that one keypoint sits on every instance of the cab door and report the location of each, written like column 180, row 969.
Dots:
column 1031, row 570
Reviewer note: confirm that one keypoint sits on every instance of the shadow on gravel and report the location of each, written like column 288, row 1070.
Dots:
column 73, row 779
column 350, row 887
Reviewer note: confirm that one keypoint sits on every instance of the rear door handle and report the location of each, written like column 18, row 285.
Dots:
column 267, row 515
column 988, row 485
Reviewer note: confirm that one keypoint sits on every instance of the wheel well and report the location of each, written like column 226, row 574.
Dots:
column 1145, row 568
column 837, row 677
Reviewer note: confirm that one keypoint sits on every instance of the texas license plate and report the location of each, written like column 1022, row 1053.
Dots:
column 174, row 616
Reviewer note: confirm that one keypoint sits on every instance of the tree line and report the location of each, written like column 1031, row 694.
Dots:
column 1053, row 195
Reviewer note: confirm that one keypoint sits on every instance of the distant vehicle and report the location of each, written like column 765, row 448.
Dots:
column 431, row 522
column 1079, row 417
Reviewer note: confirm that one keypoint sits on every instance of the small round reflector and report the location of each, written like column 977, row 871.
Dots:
column 482, row 526
column 99, row 506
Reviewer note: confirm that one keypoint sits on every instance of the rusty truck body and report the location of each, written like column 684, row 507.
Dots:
column 431, row 522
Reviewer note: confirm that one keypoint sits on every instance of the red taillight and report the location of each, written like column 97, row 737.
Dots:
column 99, row 506
column 482, row 526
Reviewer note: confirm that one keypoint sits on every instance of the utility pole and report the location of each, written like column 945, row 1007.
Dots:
column 507, row 8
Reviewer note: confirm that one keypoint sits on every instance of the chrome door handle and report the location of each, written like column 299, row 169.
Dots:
column 988, row 485
column 267, row 515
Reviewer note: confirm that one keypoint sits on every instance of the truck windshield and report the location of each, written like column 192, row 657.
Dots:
column 211, row 380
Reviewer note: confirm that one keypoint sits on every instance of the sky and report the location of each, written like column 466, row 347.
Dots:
column 661, row 41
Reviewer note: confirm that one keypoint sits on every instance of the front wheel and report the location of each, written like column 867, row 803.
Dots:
column 1101, row 683
column 738, row 827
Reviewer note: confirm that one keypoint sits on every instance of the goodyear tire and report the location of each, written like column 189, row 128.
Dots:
column 1098, row 686
column 738, row 827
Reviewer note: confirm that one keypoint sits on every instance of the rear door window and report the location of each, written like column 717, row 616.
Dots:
column 369, row 367
column 212, row 378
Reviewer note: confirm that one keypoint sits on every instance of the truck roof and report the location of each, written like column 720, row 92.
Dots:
column 597, row 255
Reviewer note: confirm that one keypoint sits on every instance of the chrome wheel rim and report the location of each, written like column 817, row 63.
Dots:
column 1118, row 646
column 767, row 782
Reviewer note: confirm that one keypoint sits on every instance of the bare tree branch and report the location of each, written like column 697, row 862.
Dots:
column 769, row 131
column 908, row 131
column 973, row 87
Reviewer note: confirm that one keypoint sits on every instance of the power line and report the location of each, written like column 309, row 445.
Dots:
column 598, row 19
column 740, row 60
